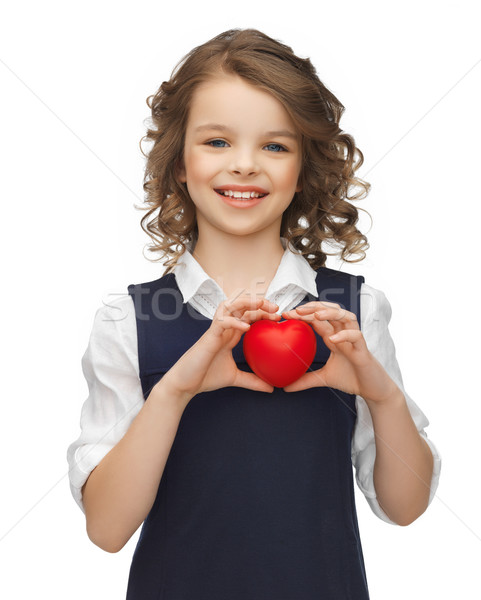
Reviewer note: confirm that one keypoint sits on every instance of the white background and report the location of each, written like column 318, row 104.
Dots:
column 74, row 80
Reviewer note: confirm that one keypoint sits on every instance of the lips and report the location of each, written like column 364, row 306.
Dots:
column 240, row 203
column 248, row 194
column 241, row 188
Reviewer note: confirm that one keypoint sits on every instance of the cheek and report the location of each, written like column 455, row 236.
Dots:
column 198, row 166
column 287, row 175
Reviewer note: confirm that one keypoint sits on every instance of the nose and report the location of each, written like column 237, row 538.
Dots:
column 244, row 162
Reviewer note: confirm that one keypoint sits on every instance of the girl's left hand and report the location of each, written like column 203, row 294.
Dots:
column 351, row 367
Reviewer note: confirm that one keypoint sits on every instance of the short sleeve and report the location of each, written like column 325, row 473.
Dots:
column 375, row 317
column 110, row 366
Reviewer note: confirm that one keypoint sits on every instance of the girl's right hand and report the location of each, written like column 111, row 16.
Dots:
column 209, row 365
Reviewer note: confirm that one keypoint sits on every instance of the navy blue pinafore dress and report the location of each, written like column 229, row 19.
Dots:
column 256, row 501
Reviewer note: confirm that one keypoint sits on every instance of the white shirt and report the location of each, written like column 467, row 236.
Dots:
column 111, row 367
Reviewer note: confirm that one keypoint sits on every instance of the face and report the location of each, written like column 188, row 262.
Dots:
column 239, row 137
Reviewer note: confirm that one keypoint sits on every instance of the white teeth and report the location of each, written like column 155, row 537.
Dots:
column 245, row 195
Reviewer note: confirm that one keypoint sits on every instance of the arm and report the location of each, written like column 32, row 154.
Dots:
column 375, row 317
column 388, row 437
column 404, row 462
column 118, row 461
column 118, row 428
column 121, row 490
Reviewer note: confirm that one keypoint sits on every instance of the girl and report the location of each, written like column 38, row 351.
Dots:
column 245, row 491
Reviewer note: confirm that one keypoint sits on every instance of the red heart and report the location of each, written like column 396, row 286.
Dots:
column 279, row 352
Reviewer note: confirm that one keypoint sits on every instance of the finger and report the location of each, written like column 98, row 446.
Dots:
column 244, row 303
column 240, row 303
column 244, row 299
column 224, row 322
column 250, row 316
column 317, row 305
column 334, row 325
column 251, row 382
column 308, row 380
column 293, row 314
column 354, row 336
column 310, row 308
column 325, row 328
column 322, row 327
column 333, row 309
column 342, row 317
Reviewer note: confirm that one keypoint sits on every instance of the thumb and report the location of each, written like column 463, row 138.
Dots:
column 308, row 380
column 252, row 382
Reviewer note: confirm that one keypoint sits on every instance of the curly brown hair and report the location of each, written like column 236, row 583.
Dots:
column 321, row 212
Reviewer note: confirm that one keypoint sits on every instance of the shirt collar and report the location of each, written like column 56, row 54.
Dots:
column 293, row 269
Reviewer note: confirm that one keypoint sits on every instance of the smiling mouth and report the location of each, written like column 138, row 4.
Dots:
column 240, row 195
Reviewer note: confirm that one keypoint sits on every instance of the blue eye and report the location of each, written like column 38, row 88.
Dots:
column 278, row 146
column 217, row 144
column 213, row 141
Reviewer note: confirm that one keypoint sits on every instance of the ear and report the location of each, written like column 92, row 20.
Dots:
column 299, row 185
column 180, row 171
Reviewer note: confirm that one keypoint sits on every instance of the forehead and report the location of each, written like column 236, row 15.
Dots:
column 233, row 101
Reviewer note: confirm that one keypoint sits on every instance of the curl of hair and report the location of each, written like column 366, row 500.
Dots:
column 321, row 212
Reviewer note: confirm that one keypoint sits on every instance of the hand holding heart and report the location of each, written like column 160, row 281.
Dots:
column 351, row 367
column 209, row 365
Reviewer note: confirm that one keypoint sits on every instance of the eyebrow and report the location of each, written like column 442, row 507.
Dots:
column 280, row 133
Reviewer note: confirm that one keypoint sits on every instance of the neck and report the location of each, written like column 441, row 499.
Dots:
column 240, row 263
